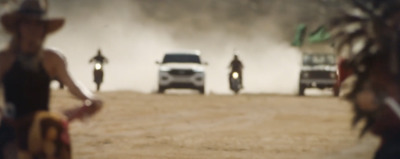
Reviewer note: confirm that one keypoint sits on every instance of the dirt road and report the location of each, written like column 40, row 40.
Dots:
column 177, row 126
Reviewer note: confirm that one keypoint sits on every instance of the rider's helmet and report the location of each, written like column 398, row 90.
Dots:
column 99, row 52
column 235, row 53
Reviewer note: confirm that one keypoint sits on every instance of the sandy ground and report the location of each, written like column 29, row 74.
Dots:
column 191, row 126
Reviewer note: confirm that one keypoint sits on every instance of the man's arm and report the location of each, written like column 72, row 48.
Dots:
column 76, row 89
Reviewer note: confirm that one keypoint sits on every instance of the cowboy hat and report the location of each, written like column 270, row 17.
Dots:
column 33, row 10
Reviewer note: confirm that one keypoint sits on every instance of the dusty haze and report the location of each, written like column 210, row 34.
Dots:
column 134, row 34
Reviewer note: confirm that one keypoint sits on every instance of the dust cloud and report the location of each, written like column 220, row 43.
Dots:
column 133, row 34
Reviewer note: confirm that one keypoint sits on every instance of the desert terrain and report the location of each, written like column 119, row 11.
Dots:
column 134, row 34
column 191, row 126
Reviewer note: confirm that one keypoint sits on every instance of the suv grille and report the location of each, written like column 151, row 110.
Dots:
column 181, row 72
column 320, row 74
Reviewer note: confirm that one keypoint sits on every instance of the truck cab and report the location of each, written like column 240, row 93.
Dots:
column 318, row 70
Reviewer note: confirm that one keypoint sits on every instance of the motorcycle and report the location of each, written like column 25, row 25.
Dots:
column 235, row 81
column 98, row 74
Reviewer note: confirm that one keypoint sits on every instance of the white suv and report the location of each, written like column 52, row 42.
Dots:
column 181, row 70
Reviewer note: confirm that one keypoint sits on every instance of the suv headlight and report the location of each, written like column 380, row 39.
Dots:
column 165, row 69
column 198, row 70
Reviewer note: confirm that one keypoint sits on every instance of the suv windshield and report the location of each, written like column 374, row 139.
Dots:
column 321, row 59
column 181, row 58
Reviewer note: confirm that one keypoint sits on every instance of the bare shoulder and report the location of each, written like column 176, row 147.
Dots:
column 54, row 56
column 53, row 61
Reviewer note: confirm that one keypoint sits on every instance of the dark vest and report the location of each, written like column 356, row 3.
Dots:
column 27, row 90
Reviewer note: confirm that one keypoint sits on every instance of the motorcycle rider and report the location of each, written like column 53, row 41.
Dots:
column 99, row 58
column 27, row 67
column 236, row 66
column 98, row 73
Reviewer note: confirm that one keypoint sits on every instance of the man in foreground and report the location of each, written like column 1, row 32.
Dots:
column 368, row 39
column 26, row 70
